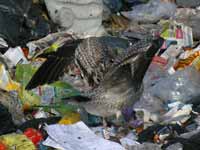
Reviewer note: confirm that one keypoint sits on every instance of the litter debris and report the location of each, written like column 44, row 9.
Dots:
column 83, row 18
column 172, row 31
column 7, row 125
column 151, row 12
column 77, row 136
column 22, row 21
column 17, row 141
column 189, row 17
column 15, row 55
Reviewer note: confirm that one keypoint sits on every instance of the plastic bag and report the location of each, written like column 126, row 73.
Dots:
column 21, row 21
column 178, row 88
column 182, row 86
column 156, row 71
column 6, row 123
column 151, row 12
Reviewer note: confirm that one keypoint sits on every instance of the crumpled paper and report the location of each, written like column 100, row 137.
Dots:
column 77, row 137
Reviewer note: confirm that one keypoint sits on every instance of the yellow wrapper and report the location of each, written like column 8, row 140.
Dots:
column 71, row 118
column 17, row 142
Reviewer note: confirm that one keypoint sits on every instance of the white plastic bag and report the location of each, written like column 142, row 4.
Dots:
column 151, row 12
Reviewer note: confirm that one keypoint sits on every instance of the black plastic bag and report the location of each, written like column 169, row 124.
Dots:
column 6, row 123
column 21, row 21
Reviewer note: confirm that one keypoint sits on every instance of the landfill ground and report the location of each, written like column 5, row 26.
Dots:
column 99, row 75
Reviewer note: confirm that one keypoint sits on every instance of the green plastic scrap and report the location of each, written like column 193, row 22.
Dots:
column 64, row 90
column 24, row 73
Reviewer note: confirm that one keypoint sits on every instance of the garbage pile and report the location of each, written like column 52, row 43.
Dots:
column 99, row 74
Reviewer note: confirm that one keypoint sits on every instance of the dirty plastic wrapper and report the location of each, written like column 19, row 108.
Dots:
column 77, row 136
column 6, row 83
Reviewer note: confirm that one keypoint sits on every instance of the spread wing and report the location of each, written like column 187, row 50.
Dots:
column 54, row 66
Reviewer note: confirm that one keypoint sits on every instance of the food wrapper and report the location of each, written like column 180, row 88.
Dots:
column 6, row 83
column 17, row 142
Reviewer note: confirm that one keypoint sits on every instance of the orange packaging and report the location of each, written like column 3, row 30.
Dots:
column 182, row 63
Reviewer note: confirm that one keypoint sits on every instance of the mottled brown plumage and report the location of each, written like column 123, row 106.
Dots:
column 118, row 78
column 112, row 66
